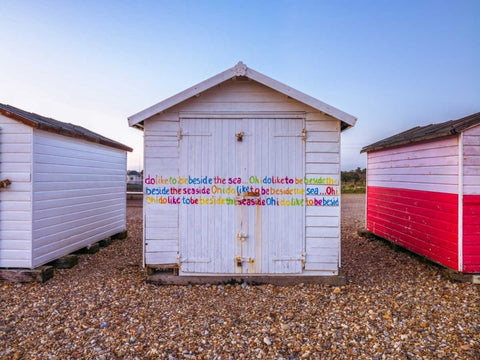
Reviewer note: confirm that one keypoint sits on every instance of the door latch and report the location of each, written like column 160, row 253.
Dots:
column 239, row 136
column 242, row 236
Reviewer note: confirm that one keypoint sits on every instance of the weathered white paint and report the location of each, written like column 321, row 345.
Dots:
column 431, row 166
column 78, row 194
column 188, row 138
column 15, row 200
column 471, row 161
column 241, row 70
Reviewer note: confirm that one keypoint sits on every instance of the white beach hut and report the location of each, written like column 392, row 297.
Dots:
column 242, row 180
column 63, row 188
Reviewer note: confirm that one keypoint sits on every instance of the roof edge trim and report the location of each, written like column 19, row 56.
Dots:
column 242, row 70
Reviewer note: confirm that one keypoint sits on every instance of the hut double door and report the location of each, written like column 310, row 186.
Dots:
column 244, row 158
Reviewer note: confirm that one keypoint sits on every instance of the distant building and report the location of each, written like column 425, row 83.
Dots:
column 134, row 177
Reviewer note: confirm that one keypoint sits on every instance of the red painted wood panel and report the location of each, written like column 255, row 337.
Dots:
column 471, row 233
column 422, row 221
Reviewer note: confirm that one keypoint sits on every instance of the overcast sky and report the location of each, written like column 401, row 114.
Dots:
column 392, row 64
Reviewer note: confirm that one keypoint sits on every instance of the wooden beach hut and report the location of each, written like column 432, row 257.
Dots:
column 63, row 188
column 423, row 191
column 242, row 180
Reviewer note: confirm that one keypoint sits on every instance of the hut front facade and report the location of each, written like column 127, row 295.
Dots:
column 423, row 191
column 242, row 176
column 63, row 188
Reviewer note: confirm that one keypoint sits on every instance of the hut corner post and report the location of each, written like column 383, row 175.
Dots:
column 460, row 203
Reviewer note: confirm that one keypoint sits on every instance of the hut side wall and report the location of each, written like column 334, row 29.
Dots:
column 471, row 200
column 78, row 194
column 321, row 159
column 15, row 201
column 413, row 198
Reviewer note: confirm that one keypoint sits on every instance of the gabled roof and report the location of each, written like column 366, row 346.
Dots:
column 241, row 70
column 51, row 125
column 424, row 133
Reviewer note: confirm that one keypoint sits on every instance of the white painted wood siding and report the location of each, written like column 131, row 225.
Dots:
column 471, row 161
column 431, row 166
column 161, row 154
column 239, row 98
column 322, row 225
column 15, row 201
column 78, row 194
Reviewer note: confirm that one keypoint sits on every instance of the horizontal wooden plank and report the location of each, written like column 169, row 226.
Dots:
column 66, row 178
column 318, row 221
column 323, row 136
column 318, row 168
column 20, row 225
column 317, row 115
column 15, row 196
column 315, row 243
column 13, row 206
column 311, row 266
column 412, row 163
column 324, row 231
column 16, row 178
column 155, row 141
column 322, row 147
column 322, row 158
column 159, row 258
column 8, row 262
column 15, row 235
column 322, row 211
column 434, row 179
column 169, row 233
column 12, row 138
column 471, row 151
column 16, row 158
column 441, row 188
column 11, row 126
column 15, row 215
column 470, row 141
column 326, row 257
column 161, row 151
column 80, row 186
column 391, row 170
column 9, row 244
column 6, row 148
column 322, row 125
column 162, row 127
column 193, row 105
column 161, row 245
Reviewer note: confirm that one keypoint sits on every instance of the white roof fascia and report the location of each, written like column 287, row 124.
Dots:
column 302, row 97
column 241, row 70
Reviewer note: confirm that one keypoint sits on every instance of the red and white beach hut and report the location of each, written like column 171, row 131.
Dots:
column 423, row 191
